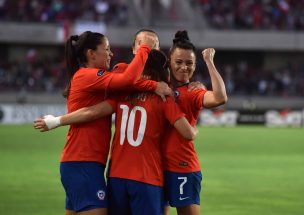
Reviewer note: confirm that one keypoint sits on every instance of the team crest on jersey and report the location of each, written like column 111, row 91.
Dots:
column 176, row 94
column 101, row 194
column 100, row 72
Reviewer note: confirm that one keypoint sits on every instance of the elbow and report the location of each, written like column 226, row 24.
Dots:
column 222, row 100
column 191, row 135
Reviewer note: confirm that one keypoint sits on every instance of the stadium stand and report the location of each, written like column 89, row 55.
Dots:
column 50, row 11
column 258, row 54
column 261, row 14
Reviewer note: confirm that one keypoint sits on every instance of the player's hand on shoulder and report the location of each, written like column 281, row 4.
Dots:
column 163, row 90
column 208, row 54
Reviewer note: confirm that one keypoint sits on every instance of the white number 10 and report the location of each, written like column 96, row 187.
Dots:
column 130, row 126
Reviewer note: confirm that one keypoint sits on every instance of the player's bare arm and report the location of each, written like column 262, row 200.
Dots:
column 82, row 115
column 218, row 94
column 47, row 123
column 185, row 129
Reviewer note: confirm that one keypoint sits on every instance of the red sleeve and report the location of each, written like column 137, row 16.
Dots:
column 120, row 67
column 90, row 79
column 197, row 98
column 132, row 73
column 114, row 98
column 113, row 104
column 172, row 111
column 145, row 85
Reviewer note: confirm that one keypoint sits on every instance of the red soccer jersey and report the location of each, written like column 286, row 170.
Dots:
column 90, row 141
column 179, row 153
column 136, row 146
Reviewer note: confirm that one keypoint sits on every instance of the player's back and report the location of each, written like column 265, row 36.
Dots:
column 136, row 147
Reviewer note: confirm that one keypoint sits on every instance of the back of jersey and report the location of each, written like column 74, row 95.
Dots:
column 136, row 147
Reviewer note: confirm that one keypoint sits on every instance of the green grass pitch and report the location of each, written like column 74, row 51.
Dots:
column 246, row 171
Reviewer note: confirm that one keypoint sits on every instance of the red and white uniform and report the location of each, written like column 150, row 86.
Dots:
column 178, row 153
column 90, row 141
column 136, row 147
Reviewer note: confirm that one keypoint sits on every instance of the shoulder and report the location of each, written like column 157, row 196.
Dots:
column 120, row 67
column 181, row 91
column 84, row 69
column 90, row 75
column 185, row 93
column 90, row 71
column 170, row 101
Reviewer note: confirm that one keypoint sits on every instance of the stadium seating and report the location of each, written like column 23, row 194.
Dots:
column 258, row 54
column 265, row 15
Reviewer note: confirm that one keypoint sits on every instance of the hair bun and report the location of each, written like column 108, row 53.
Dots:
column 181, row 36
column 74, row 37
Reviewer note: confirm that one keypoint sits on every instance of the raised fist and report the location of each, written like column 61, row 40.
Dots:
column 208, row 54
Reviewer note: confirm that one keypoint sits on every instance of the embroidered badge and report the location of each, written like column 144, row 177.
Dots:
column 176, row 93
column 101, row 194
column 100, row 72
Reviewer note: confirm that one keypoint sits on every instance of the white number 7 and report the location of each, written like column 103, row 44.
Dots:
column 181, row 186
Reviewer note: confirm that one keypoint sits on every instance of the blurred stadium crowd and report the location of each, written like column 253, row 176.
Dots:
column 228, row 14
column 46, row 74
column 244, row 79
column 36, row 73
column 108, row 11
column 32, row 74
column 254, row 14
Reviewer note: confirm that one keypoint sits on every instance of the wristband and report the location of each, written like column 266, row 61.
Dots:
column 52, row 121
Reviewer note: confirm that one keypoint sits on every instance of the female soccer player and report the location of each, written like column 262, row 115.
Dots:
column 85, row 153
column 135, row 171
column 182, row 170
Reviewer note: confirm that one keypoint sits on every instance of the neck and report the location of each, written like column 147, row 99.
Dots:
column 176, row 83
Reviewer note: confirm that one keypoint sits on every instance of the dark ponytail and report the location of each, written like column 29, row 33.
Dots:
column 75, row 53
column 156, row 69
column 156, row 66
